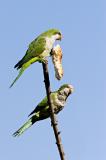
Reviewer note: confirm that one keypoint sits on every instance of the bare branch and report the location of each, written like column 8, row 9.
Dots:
column 53, row 116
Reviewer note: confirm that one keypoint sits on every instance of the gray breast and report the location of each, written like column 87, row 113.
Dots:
column 58, row 103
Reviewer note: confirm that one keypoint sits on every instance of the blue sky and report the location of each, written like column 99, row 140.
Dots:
column 82, row 122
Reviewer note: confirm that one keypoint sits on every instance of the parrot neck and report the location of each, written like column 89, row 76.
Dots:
column 64, row 93
column 49, row 43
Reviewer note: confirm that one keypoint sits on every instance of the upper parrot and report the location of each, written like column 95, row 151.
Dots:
column 38, row 50
column 42, row 110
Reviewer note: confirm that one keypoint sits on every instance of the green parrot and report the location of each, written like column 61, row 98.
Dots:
column 42, row 110
column 38, row 50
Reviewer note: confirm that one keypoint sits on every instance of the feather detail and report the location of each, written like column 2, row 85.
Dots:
column 28, row 124
column 23, row 128
column 20, row 73
column 24, row 67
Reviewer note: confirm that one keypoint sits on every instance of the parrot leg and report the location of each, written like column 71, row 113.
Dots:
column 43, row 61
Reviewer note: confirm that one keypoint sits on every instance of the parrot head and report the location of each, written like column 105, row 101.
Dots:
column 53, row 33
column 66, row 89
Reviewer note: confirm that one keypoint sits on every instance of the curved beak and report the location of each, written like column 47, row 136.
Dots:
column 71, row 88
column 61, row 37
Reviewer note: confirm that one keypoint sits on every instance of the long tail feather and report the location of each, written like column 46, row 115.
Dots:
column 20, row 73
column 26, row 65
column 28, row 124
column 23, row 128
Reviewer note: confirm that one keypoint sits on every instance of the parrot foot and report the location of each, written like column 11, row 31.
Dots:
column 45, row 61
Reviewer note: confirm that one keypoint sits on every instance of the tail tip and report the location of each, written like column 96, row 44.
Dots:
column 16, row 134
column 11, row 86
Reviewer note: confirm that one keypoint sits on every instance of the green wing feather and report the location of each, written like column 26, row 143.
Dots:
column 35, row 49
column 32, row 55
column 43, row 104
column 40, row 106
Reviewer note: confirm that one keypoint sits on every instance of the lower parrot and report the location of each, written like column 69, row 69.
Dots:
column 42, row 110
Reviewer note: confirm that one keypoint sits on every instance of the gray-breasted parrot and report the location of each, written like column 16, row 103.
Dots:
column 38, row 50
column 42, row 110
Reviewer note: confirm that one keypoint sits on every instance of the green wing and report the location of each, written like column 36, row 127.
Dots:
column 35, row 49
column 43, row 104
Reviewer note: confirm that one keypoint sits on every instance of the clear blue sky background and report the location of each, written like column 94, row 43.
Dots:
column 83, row 121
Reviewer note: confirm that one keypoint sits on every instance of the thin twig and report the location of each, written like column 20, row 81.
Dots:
column 53, row 116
